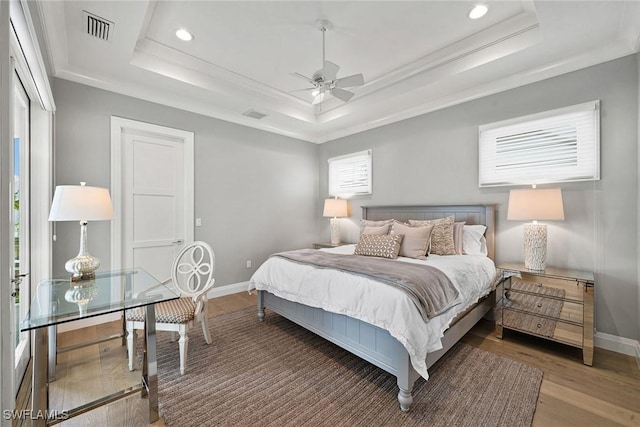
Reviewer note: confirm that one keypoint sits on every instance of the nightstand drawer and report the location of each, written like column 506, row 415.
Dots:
column 556, row 330
column 558, row 288
column 548, row 307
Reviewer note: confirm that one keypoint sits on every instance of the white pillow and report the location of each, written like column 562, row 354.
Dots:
column 473, row 240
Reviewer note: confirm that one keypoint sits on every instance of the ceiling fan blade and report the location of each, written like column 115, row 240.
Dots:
column 350, row 81
column 318, row 98
column 342, row 94
column 300, row 76
column 303, row 90
column 329, row 71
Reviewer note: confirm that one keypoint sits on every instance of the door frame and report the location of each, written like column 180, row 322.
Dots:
column 120, row 125
column 18, row 39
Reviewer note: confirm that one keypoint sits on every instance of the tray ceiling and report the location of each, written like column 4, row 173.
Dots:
column 416, row 56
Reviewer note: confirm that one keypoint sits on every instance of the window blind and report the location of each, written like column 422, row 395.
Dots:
column 554, row 146
column 350, row 174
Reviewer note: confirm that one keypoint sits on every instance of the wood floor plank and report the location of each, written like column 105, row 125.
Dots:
column 572, row 394
column 611, row 412
column 552, row 412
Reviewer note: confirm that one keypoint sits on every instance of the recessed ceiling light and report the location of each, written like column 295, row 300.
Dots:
column 184, row 35
column 478, row 11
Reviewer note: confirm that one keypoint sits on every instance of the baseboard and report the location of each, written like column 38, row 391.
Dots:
column 233, row 288
column 618, row 344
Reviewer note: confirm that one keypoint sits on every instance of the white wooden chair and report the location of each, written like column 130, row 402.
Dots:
column 192, row 277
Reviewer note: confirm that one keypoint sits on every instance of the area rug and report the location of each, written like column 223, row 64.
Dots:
column 276, row 373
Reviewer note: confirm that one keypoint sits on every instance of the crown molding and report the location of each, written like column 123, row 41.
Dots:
column 394, row 113
column 172, row 100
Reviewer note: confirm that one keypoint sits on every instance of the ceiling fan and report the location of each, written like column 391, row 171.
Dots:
column 325, row 79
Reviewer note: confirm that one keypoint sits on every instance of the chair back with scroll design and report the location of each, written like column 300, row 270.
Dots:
column 192, row 271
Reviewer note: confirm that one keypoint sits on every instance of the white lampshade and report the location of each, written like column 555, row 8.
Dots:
column 535, row 205
column 336, row 208
column 81, row 203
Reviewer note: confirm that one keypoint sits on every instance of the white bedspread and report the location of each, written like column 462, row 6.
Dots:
column 377, row 303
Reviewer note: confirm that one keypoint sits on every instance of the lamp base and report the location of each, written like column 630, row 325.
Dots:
column 84, row 265
column 84, row 277
column 535, row 246
column 334, row 225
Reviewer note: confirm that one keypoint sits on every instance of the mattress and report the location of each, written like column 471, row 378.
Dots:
column 377, row 303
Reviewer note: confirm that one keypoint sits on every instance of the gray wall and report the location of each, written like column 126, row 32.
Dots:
column 432, row 159
column 256, row 192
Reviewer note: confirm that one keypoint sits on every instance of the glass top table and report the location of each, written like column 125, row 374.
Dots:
column 59, row 301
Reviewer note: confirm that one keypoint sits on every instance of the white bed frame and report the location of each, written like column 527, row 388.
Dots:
column 375, row 344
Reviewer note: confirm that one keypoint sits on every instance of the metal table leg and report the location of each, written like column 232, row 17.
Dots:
column 40, row 395
column 150, row 362
column 53, row 351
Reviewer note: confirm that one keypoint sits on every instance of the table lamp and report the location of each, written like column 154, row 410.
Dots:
column 81, row 203
column 335, row 208
column 535, row 205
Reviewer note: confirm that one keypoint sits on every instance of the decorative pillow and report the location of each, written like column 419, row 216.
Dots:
column 458, row 228
column 368, row 223
column 380, row 231
column 473, row 240
column 386, row 246
column 416, row 239
column 441, row 236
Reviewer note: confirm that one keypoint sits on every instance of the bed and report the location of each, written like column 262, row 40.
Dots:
column 383, row 344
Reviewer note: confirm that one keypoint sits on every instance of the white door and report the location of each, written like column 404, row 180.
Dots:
column 20, row 262
column 154, row 206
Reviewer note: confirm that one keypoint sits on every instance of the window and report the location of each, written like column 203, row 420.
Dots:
column 350, row 174
column 554, row 146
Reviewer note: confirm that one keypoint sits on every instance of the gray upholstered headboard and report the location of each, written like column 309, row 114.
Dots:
column 471, row 214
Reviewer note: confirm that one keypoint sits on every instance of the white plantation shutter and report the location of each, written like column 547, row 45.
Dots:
column 554, row 146
column 350, row 174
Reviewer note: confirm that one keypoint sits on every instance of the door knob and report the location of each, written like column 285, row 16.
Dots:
column 178, row 242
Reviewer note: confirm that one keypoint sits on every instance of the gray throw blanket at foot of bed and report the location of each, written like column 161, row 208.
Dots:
column 429, row 288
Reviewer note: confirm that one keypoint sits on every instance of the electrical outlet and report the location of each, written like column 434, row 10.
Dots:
column 248, row 263
column 198, row 222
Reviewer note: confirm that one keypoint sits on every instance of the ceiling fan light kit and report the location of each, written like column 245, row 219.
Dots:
column 325, row 79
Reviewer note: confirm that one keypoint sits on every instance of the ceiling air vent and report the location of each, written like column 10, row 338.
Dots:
column 254, row 114
column 96, row 26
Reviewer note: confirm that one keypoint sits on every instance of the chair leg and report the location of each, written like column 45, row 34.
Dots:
column 131, row 344
column 205, row 330
column 184, row 343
